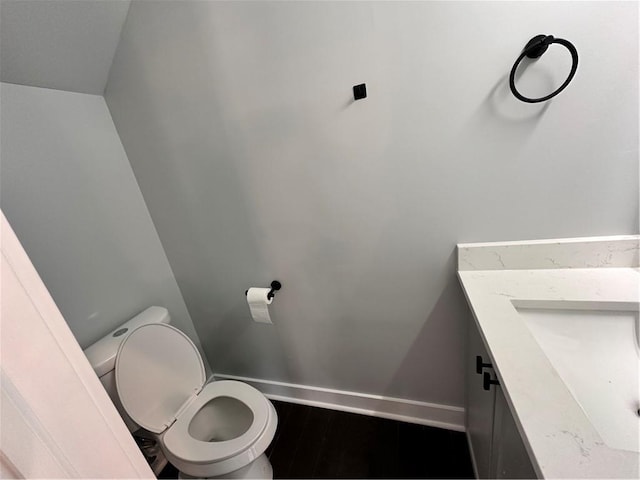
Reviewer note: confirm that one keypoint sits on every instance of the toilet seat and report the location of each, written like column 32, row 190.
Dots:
column 181, row 444
column 160, row 381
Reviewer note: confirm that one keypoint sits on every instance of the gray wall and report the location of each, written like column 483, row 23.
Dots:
column 256, row 164
column 69, row 193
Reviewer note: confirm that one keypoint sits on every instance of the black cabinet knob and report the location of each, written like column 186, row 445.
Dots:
column 487, row 382
column 480, row 365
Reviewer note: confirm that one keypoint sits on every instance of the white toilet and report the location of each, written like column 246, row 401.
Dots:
column 220, row 429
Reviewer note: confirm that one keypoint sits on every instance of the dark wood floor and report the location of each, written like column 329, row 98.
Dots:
column 318, row 443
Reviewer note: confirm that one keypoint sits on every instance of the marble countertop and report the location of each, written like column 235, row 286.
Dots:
column 496, row 277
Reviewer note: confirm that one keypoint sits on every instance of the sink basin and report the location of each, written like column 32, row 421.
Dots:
column 596, row 353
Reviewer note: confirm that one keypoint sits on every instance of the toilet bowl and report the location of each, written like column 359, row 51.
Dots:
column 220, row 429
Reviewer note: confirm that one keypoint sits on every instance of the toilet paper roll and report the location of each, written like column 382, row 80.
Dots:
column 259, row 304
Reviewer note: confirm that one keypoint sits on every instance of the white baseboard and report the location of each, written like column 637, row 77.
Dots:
column 423, row 413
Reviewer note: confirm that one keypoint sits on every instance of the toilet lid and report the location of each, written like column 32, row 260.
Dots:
column 158, row 369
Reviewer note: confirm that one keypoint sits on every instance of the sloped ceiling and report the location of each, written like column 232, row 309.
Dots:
column 61, row 44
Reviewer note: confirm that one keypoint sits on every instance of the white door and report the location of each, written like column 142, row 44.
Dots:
column 56, row 418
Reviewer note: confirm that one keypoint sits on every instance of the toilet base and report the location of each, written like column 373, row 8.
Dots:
column 259, row 468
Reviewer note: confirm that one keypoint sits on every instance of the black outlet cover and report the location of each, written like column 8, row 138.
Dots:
column 359, row 91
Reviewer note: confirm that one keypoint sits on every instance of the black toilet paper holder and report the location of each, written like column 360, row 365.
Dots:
column 275, row 285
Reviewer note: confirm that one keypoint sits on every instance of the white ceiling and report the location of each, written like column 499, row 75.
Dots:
column 60, row 44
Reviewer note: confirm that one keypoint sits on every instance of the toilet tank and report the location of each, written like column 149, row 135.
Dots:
column 102, row 354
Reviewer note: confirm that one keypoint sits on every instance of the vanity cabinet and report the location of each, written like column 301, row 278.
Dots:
column 495, row 443
column 479, row 404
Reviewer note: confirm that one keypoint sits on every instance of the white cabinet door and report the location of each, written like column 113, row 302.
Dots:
column 509, row 456
column 479, row 405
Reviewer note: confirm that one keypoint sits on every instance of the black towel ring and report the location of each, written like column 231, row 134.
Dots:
column 534, row 49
